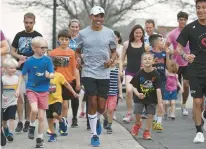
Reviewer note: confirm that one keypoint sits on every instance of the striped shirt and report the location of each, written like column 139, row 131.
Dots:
column 113, row 83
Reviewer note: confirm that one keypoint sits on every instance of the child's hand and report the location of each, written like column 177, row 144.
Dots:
column 76, row 95
column 181, row 90
column 17, row 94
column 120, row 98
column 47, row 74
column 141, row 96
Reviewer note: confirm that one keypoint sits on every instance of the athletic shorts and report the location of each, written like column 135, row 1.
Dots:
column 55, row 107
column 170, row 95
column 66, row 94
column 96, row 87
column 197, row 86
column 40, row 98
column 111, row 103
column 9, row 113
column 139, row 107
column 183, row 73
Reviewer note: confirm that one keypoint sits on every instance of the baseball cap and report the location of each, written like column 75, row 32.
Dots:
column 97, row 10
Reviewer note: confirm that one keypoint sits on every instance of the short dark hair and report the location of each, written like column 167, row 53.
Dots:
column 150, row 21
column 119, row 36
column 64, row 33
column 30, row 15
column 131, row 35
column 182, row 14
column 197, row 1
column 153, row 38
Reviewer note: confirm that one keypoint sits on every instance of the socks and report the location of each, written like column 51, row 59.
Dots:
column 159, row 119
column 109, row 125
column 199, row 129
column 93, row 123
column 98, row 115
column 32, row 124
column 155, row 117
column 40, row 136
column 183, row 106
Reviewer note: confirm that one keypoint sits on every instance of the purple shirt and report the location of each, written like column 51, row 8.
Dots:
column 2, row 36
column 171, row 83
column 172, row 37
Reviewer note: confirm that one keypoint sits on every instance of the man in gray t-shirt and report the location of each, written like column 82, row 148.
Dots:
column 96, row 44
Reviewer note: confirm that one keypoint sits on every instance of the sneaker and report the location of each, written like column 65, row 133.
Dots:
column 204, row 120
column 158, row 127
column 95, row 141
column 147, row 135
column 154, row 125
column 99, row 128
column 172, row 116
column 128, row 118
column 63, row 125
column 31, row 132
column 74, row 123
column 82, row 115
column 135, row 129
column 10, row 137
column 26, row 126
column 39, row 143
column 63, row 133
column 199, row 138
column 109, row 130
column 52, row 138
column 105, row 124
column 19, row 127
column 185, row 112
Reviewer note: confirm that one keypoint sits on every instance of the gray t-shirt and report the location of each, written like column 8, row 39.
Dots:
column 96, row 49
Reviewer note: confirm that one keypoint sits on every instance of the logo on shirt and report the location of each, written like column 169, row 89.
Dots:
column 146, row 86
column 25, row 46
column 202, row 42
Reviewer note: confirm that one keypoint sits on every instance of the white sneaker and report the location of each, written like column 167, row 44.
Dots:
column 128, row 118
column 185, row 112
column 199, row 138
column 204, row 126
column 114, row 117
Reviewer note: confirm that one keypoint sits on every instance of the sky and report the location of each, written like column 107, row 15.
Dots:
column 11, row 20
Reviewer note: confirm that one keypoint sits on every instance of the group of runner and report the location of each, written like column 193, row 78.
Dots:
column 154, row 73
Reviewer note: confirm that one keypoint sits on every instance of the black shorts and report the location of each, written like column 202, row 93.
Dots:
column 9, row 113
column 56, row 107
column 96, row 87
column 197, row 86
column 66, row 94
column 183, row 73
column 85, row 98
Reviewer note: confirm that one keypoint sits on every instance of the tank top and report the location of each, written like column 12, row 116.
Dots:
column 171, row 83
column 134, row 58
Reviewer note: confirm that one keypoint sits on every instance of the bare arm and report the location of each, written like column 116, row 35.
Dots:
column 159, row 95
column 77, row 76
column 69, row 87
column 4, row 48
column 78, row 58
column 124, row 51
column 179, row 84
column 14, row 53
column 119, row 86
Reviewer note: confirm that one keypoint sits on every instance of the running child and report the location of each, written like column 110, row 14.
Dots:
column 147, row 90
column 9, row 99
column 170, row 95
column 40, row 70
column 55, row 101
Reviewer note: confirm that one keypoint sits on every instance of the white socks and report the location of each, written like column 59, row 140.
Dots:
column 32, row 124
column 40, row 136
column 93, row 123
column 159, row 119
column 98, row 115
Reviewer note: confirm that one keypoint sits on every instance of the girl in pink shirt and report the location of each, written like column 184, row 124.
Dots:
column 170, row 95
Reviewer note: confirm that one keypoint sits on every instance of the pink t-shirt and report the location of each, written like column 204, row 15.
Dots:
column 171, row 83
column 172, row 37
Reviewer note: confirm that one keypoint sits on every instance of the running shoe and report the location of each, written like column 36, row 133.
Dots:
column 199, row 138
column 147, row 135
column 95, row 141
column 135, row 129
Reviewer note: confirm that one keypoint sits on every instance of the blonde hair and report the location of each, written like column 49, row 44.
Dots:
column 37, row 40
column 173, row 66
column 10, row 62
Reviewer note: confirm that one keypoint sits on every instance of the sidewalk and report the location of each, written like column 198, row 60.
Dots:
column 79, row 138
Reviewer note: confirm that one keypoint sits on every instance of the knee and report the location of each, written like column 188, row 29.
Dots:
column 41, row 118
column 129, row 91
column 101, row 110
column 186, row 83
column 34, row 110
column 54, row 114
column 65, row 105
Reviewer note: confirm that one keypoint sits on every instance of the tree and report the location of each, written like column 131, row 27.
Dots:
column 79, row 9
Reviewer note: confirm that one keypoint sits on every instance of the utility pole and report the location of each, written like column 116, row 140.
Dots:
column 54, row 25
